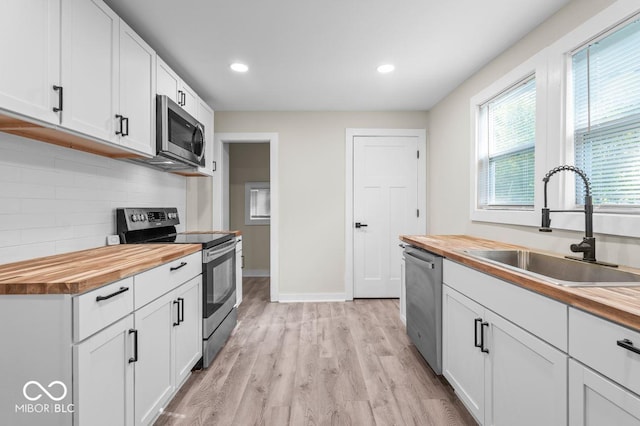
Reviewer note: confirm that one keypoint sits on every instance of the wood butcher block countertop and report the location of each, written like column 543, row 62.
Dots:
column 80, row 271
column 618, row 304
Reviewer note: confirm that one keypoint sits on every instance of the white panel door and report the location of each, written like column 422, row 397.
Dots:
column 137, row 91
column 103, row 377
column 90, row 69
column 594, row 400
column 30, row 52
column 385, row 205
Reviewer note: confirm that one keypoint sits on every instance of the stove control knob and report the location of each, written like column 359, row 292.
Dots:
column 143, row 217
column 134, row 217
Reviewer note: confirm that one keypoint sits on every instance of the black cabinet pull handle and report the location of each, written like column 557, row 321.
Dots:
column 60, row 97
column 475, row 332
column 135, row 345
column 175, row 268
column 109, row 296
column 628, row 345
column 184, row 98
column 126, row 120
column 181, row 317
column 482, row 348
column 175, row 302
column 180, row 97
column 119, row 132
column 361, row 225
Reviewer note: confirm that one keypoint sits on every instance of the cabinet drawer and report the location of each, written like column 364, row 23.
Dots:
column 155, row 282
column 101, row 307
column 539, row 315
column 593, row 341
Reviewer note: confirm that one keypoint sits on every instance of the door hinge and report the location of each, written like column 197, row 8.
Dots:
column 417, row 212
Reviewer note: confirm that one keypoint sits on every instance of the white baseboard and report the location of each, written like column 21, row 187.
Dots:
column 255, row 273
column 311, row 297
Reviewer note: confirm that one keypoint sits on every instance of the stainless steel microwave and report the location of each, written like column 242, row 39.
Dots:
column 179, row 136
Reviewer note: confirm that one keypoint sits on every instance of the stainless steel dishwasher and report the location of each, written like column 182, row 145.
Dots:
column 423, row 275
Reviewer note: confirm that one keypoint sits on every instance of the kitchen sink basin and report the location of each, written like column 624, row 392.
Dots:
column 558, row 270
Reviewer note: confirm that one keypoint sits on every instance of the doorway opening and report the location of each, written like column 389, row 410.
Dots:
column 247, row 165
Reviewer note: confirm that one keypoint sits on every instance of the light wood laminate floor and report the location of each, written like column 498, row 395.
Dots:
column 334, row 363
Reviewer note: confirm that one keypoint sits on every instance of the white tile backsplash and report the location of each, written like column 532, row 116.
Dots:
column 56, row 200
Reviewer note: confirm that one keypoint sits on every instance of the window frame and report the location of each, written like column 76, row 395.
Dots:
column 554, row 133
column 248, row 188
column 534, row 67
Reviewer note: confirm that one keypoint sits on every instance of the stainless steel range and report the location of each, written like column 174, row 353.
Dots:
column 158, row 225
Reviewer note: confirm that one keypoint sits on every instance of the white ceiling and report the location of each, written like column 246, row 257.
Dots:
column 322, row 55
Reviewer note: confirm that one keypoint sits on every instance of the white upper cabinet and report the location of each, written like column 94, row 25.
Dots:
column 107, row 76
column 205, row 116
column 90, row 68
column 171, row 85
column 30, row 52
column 167, row 81
column 137, row 91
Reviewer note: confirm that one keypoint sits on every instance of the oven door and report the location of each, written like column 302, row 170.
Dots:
column 219, row 284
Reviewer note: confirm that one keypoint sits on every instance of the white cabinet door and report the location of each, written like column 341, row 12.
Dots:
column 188, row 328
column 137, row 92
column 239, row 266
column 594, row 400
column 30, row 52
column 167, row 81
column 154, row 378
column 463, row 362
column 526, row 379
column 90, row 56
column 205, row 117
column 103, row 377
column 188, row 99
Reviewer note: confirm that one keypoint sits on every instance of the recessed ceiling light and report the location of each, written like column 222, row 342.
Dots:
column 239, row 67
column 386, row 68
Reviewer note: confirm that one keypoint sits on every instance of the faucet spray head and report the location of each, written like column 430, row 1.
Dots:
column 546, row 220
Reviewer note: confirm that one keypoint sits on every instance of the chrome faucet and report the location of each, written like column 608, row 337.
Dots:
column 588, row 245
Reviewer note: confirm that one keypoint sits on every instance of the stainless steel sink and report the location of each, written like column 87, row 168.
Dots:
column 558, row 270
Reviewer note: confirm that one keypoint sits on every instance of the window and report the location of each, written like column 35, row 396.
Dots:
column 257, row 206
column 506, row 144
column 606, row 117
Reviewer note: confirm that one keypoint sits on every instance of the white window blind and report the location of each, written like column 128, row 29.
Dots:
column 606, row 92
column 507, row 148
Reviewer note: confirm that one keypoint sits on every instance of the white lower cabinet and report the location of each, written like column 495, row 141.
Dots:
column 169, row 344
column 462, row 360
column 503, row 374
column 103, row 377
column 603, row 372
column 188, row 331
column 152, row 371
column 134, row 348
column 595, row 400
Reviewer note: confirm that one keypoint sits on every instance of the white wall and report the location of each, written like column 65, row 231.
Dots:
column 449, row 136
column 57, row 200
column 311, row 173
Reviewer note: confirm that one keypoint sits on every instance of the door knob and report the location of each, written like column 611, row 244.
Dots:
column 361, row 225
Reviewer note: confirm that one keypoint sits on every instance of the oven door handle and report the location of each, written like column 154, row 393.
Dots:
column 216, row 252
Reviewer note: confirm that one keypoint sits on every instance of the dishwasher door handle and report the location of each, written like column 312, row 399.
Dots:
column 430, row 265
